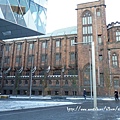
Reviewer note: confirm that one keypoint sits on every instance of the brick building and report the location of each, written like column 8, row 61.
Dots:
column 53, row 65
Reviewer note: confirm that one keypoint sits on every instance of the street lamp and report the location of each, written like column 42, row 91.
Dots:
column 32, row 70
column 93, row 71
column 31, row 78
column 90, row 73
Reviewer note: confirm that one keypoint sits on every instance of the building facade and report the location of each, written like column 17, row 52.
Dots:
column 91, row 23
column 53, row 64
column 22, row 18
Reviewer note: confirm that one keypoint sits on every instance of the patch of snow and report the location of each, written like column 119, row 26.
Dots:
column 15, row 105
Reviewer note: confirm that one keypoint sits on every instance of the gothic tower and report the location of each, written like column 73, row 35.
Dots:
column 91, row 26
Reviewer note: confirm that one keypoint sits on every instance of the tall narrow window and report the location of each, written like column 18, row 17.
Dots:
column 118, row 35
column 58, row 43
column 99, row 40
column 31, row 58
column 31, row 46
column 114, row 60
column 87, row 27
column 72, row 41
column 7, row 47
column 44, row 44
column 116, row 82
column 100, row 57
column 86, row 75
column 7, row 60
column 19, row 46
column 18, row 59
column 98, row 12
column 44, row 58
column 72, row 56
column 58, row 57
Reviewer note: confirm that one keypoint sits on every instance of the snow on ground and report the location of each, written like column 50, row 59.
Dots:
column 15, row 105
column 67, row 97
column 108, row 99
column 6, row 105
column 89, row 98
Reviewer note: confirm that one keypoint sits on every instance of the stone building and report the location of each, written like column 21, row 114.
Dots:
column 53, row 64
column 113, row 52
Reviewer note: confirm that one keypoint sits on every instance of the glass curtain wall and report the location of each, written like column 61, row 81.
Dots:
column 28, row 13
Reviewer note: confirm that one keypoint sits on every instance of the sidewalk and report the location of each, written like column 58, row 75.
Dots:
column 26, row 102
column 67, row 97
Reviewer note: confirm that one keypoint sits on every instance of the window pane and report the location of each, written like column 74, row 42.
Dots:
column 98, row 13
column 19, row 46
column 44, row 58
column 99, row 40
column 18, row 59
column 114, row 60
column 83, row 39
column 100, row 57
column 89, row 29
column 57, row 43
column 8, row 47
column 31, row 59
column 31, row 46
column 86, row 75
column 90, row 20
column 72, row 56
column 58, row 57
column 116, row 83
column 44, row 45
column 117, row 33
column 72, row 42
column 83, row 20
column 83, row 30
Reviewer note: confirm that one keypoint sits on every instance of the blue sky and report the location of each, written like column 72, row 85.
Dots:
column 62, row 13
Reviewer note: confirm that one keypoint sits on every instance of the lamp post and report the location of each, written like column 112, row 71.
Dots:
column 31, row 77
column 90, row 73
column 93, row 71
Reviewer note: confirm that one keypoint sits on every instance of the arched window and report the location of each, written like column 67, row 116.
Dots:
column 86, row 75
column 98, row 12
column 114, row 60
column 87, row 27
column 118, row 35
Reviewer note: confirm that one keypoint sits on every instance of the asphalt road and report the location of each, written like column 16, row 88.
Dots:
column 107, row 110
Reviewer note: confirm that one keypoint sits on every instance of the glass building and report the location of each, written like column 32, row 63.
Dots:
column 22, row 18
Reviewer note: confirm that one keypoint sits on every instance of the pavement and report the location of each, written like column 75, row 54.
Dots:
column 71, row 108
column 26, row 102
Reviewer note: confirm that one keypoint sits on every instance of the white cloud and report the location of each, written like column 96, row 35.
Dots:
column 62, row 13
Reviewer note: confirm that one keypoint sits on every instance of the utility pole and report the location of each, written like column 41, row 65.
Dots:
column 93, row 72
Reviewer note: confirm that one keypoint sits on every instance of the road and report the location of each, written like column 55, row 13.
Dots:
column 108, row 110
